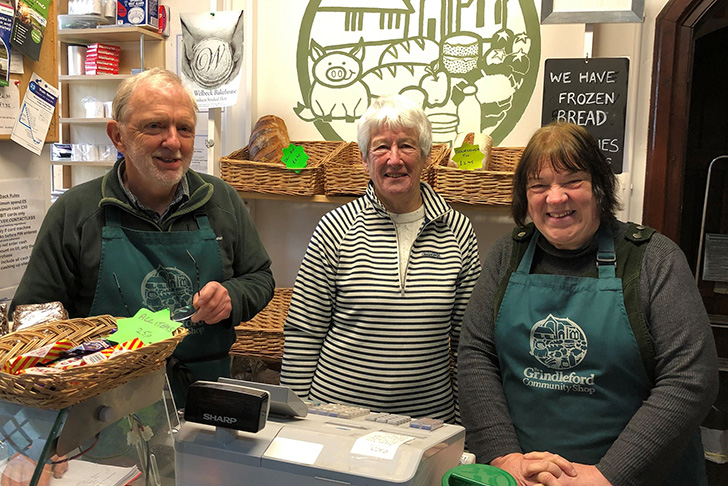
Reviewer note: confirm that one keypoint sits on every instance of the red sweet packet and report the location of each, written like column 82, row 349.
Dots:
column 45, row 354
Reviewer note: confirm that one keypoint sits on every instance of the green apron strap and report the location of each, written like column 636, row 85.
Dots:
column 606, row 258
column 521, row 237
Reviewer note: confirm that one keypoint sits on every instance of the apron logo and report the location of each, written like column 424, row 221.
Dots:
column 558, row 343
column 166, row 287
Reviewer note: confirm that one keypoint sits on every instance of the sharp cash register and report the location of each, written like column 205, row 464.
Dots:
column 228, row 437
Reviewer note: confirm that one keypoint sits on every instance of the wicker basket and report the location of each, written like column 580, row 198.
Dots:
column 74, row 385
column 262, row 336
column 274, row 178
column 492, row 187
column 345, row 175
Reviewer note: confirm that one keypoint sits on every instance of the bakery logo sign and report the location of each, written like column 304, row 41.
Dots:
column 558, row 344
column 472, row 66
column 212, row 56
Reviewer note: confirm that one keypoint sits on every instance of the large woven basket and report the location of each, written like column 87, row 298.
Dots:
column 492, row 187
column 345, row 175
column 274, row 178
column 74, row 385
column 262, row 336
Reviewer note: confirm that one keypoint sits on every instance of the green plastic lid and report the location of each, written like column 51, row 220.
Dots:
column 477, row 475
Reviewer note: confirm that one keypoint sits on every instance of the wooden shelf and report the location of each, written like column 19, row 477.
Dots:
column 85, row 121
column 345, row 199
column 107, row 34
column 84, row 163
column 83, row 78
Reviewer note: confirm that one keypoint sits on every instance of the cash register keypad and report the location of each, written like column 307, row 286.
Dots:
column 426, row 423
column 388, row 418
column 351, row 412
column 337, row 410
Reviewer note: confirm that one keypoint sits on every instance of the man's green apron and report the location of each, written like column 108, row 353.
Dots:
column 158, row 270
column 572, row 372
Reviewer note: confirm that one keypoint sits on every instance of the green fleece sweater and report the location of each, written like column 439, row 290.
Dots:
column 64, row 263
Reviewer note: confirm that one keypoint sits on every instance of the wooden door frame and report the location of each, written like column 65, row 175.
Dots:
column 669, row 111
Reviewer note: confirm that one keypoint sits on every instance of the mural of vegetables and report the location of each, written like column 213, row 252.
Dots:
column 471, row 64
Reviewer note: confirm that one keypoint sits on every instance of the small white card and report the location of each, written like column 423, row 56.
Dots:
column 9, row 105
column 36, row 112
column 379, row 444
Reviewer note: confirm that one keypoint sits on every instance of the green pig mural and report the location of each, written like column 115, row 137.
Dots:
column 471, row 64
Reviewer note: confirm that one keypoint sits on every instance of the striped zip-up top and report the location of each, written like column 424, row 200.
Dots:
column 357, row 334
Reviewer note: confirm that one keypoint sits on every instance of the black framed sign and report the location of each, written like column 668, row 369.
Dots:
column 591, row 93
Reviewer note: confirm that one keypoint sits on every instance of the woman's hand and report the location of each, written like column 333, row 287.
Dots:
column 529, row 469
column 583, row 474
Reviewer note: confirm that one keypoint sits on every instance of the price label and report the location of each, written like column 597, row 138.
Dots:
column 469, row 157
column 146, row 325
column 295, row 158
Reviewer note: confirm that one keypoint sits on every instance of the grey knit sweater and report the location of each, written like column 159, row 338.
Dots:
column 686, row 370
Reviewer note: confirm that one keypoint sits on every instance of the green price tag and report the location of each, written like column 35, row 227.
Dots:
column 469, row 157
column 294, row 157
column 146, row 325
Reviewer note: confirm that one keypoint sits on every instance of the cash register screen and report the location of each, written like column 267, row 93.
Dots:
column 283, row 401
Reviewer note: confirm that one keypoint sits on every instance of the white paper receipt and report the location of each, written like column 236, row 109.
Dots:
column 379, row 444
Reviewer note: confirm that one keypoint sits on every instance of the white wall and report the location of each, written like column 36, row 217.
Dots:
column 286, row 227
column 272, row 28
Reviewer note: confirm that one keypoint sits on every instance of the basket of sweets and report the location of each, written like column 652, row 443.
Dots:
column 25, row 382
column 493, row 186
column 262, row 336
column 274, row 177
column 345, row 176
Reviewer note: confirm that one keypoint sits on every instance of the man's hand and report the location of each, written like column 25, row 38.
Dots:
column 20, row 468
column 530, row 469
column 213, row 304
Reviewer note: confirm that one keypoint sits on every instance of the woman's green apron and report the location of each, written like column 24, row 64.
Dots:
column 572, row 372
column 158, row 270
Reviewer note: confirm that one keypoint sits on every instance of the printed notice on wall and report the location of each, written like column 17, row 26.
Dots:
column 9, row 105
column 21, row 212
column 35, row 114
column 591, row 93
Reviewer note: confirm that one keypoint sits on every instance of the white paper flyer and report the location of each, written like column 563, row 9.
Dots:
column 36, row 112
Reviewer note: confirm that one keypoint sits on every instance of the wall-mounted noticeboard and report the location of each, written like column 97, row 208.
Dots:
column 46, row 68
column 591, row 93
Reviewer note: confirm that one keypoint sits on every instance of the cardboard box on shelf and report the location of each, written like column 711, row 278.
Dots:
column 143, row 13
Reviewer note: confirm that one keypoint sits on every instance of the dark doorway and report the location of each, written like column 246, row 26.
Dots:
column 688, row 129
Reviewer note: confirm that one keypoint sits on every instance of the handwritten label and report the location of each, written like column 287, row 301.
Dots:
column 592, row 94
column 469, row 157
column 294, row 157
column 146, row 325
column 379, row 444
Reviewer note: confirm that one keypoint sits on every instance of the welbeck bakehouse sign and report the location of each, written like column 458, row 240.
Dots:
column 591, row 93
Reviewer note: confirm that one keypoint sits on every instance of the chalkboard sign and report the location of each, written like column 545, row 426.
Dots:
column 591, row 93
